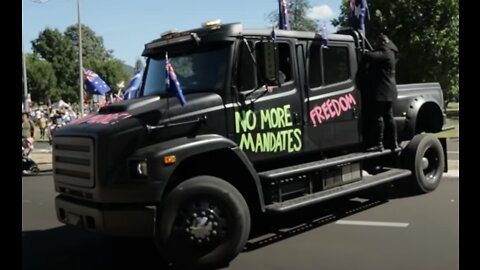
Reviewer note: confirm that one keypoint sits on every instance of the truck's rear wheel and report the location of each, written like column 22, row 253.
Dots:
column 424, row 157
column 203, row 222
column 34, row 170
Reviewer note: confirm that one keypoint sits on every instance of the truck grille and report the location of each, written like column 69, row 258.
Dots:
column 73, row 160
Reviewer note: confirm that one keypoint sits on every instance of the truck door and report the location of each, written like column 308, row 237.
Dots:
column 265, row 124
column 333, row 103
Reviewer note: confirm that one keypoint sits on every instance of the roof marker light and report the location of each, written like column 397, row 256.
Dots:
column 212, row 24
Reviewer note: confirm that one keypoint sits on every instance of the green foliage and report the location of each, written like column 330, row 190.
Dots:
column 92, row 45
column 297, row 10
column 426, row 33
column 60, row 52
column 41, row 79
column 138, row 64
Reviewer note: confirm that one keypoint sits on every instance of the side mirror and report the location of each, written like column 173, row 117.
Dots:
column 268, row 62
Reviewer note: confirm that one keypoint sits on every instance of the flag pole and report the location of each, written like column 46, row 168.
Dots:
column 80, row 62
column 25, row 85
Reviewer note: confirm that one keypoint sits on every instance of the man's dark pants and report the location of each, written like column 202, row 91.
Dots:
column 383, row 125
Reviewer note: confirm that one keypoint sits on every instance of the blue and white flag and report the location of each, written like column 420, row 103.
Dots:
column 324, row 36
column 94, row 84
column 283, row 23
column 134, row 85
column 359, row 14
column 171, row 81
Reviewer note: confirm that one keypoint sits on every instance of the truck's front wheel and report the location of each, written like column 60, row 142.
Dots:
column 203, row 222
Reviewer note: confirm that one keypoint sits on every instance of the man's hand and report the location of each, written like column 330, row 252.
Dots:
column 268, row 88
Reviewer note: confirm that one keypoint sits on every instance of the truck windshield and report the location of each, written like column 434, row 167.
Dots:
column 196, row 71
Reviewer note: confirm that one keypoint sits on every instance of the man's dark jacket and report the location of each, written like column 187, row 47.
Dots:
column 381, row 73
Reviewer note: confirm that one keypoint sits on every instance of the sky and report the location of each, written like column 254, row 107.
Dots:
column 126, row 25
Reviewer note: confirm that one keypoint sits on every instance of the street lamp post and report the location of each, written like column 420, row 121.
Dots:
column 80, row 62
column 24, row 72
column 25, row 87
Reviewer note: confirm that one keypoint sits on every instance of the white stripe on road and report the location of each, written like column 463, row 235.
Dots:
column 41, row 151
column 372, row 223
column 451, row 173
column 453, row 152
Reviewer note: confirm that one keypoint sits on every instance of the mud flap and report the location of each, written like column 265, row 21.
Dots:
column 443, row 141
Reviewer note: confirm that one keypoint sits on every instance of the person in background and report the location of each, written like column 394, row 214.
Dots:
column 53, row 127
column 28, row 132
column 42, row 124
column 28, row 127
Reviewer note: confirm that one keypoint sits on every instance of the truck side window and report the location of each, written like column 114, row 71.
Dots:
column 335, row 63
column 246, row 70
column 284, row 61
column 315, row 67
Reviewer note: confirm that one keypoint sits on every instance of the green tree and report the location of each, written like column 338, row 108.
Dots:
column 426, row 33
column 297, row 11
column 138, row 64
column 41, row 81
column 92, row 45
column 60, row 52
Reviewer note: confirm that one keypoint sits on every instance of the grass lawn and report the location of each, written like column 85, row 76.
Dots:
column 450, row 133
column 453, row 106
column 452, row 120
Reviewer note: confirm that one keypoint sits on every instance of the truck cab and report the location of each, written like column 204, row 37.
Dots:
column 272, row 123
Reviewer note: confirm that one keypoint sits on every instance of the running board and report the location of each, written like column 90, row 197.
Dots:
column 366, row 182
column 321, row 164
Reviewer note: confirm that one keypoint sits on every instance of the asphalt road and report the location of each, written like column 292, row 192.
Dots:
column 453, row 149
column 403, row 233
column 418, row 232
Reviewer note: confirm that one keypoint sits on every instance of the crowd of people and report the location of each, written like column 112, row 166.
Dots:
column 46, row 120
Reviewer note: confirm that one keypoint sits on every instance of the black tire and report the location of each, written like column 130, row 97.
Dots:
column 203, row 222
column 424, row 157
column 34, row 170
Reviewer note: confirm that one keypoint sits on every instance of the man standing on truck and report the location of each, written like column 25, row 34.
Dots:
column 382, row 89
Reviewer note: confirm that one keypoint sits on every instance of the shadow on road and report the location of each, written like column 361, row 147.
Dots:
column 68, row 248
column 275, row 228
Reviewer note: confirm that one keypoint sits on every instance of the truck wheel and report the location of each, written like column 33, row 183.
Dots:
column 424, row 157
column 203, row 222
column 34, row 170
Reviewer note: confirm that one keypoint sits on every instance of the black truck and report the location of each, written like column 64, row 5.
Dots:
column 270, row 125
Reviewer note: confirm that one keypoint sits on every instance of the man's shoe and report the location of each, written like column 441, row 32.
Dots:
column 394, row 147
column 376, row 148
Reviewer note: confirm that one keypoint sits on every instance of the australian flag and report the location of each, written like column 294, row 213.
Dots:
column 283, row 21
column 359, row 14
column 171, row 81
column 134, row 85
column 94, row 84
